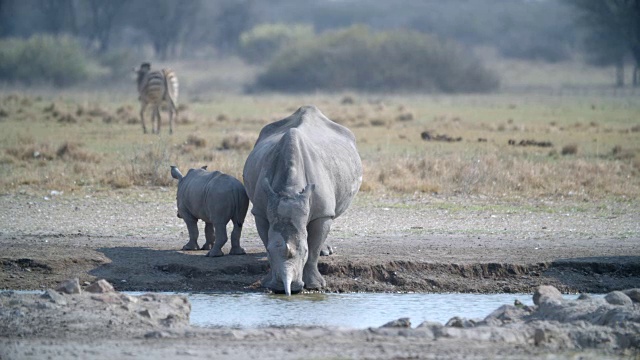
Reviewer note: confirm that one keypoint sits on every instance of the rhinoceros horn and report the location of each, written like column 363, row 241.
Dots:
column 286, row 281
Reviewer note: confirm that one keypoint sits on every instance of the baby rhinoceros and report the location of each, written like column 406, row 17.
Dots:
column 214, row 198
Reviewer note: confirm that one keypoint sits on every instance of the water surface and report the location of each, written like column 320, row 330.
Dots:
column 358, row 310
column 340, row 310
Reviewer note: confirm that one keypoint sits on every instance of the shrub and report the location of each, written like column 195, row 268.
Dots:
column 259, row 44
column 42, row 59
column 119, row 63
column 148, row 166
column 237, row 142
column 570, row 149
column 74, row 151
column 196, row 141
column 356, row 58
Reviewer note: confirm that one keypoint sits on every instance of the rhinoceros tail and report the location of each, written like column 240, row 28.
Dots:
column 242, row 205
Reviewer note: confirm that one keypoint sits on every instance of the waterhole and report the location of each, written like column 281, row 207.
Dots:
column 357, row 310
column 341, row 310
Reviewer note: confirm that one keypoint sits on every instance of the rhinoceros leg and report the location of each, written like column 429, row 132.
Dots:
column 221, row 239
column 262, row 225
column 192, row 226
column 209, row 235
column 317, row 231
column 326, row 250
column 236, row 249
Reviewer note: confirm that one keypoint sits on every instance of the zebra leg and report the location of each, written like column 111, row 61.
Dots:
column 158, row 120
column 142, row 108
column 170, row 120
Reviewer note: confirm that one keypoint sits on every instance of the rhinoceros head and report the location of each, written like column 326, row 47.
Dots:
column 287, row 250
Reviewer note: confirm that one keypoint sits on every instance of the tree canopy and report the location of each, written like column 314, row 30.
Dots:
column 617, row 22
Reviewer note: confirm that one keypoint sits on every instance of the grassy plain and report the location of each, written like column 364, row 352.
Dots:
column 85, row 140
column 78, row 142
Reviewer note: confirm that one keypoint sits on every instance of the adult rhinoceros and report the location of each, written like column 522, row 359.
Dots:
column 302, row 173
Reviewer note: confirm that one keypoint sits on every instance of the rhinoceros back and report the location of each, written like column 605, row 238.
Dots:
column 209, row 195
column 327, row 151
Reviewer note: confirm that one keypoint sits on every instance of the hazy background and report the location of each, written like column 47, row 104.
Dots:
column 240, row 46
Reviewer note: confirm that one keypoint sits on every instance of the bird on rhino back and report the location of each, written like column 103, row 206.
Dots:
column 215, row 198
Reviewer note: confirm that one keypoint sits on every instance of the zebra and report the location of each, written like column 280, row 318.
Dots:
column 156, row 88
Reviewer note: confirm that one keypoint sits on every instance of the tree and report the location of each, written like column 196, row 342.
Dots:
column 102, row 17
column 60, row 16
column 166, row 22
column 616, row 18
column 260, row 44
column 606, row 49
column 234, row 17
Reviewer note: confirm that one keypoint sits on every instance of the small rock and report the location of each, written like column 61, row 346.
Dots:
column 400, row 323
column 546, row 293
column 506, row 314
column 430, row 324
column 70, row 286
column 539, row 337
column 633, row 294
column 99, row 287
column 618, row 298
column 584, row 297
column 128, row 299
column 55, row 297
column 459, row 322
column 156, row 335
column 145, row 313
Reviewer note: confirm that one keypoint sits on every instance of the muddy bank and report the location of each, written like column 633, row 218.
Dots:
column 98, row 322
column 145, row 267
column 422, row 245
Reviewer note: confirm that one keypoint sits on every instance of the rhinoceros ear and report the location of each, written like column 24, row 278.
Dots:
column 175, row 173
column 204, row 167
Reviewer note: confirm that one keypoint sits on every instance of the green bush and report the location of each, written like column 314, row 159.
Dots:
column 356, row 58
column 42, row 59
column 263, row 41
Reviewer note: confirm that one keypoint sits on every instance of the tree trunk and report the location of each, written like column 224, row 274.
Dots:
column 160, row 49
column 635, row 52
column 620, row 73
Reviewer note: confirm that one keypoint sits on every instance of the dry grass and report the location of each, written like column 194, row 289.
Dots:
column 78, row 143
column 499, row 175
column 238, row 142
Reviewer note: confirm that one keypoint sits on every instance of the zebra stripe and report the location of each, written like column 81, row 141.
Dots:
column 156, row 88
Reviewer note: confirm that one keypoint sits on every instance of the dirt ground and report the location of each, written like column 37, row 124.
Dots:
column 430, row 244
column 417, row 244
